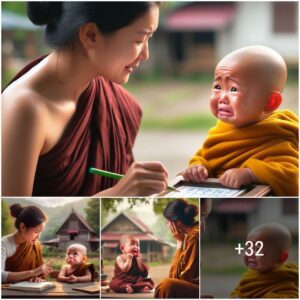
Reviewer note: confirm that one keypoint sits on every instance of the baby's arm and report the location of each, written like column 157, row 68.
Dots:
column 62, row 274
column 235, row 178
column 87, row 277
column 195, row 173
column 125, row 264
column 141, row 265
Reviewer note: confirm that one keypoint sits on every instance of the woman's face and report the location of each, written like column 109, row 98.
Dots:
column 31, row 235
column 118, row 54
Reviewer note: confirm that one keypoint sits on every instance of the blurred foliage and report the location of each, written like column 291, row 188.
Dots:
column 192, row 122
column 18, row 7
column 92, row 211
column 7, row 224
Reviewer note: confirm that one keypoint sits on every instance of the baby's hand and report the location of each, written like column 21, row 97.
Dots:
column 196, row 173
column 234, row 178
column 72, row 279
column 37, row 279
column 129, row 255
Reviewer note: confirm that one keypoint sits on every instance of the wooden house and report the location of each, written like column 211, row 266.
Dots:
column 75, row 229
column 152, row 247
column 232, row 219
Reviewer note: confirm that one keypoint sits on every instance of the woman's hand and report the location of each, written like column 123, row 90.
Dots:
column 178, row 234
column 142, row 179
column 44, row 270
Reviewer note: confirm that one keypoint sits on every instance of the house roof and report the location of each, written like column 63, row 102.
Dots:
column 56, row 241
column 199, row 17
column 137, row 222
column 141, row 236
column 81, row 219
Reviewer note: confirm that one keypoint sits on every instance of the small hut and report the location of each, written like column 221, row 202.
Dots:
column 75, row 229
column 152, row 247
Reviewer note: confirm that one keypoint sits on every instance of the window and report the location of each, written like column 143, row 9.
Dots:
column 285, row 17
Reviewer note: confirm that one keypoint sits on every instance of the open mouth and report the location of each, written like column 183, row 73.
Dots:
column 252, row 264
column 225, row 111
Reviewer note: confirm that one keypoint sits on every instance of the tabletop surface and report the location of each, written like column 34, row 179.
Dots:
column 61, row 290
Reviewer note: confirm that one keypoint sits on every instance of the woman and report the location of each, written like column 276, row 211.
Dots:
column 183, row 281
column 21, row 252
column 66, row 112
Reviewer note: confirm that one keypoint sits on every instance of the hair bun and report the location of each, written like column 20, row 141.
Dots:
column 15, row 210
column 191, row 210
column 43, row 13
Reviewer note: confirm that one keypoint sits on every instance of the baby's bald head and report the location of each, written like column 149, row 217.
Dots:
column 261, row 63
column 128, row 238
column 273, row 234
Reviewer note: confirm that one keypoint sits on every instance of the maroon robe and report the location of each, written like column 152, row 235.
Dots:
column 134, row 277
column 100, row 134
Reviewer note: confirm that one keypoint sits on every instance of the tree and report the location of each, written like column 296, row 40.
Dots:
column 6, row 222
column 93, row 214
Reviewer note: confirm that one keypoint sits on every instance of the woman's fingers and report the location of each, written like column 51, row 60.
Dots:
column 143, row 179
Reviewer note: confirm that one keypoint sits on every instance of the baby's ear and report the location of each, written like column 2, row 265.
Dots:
column 283, row 256
column 84, row 258
column 274, row 101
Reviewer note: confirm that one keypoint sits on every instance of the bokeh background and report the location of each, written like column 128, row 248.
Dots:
column 227, row 225
column 174, row 86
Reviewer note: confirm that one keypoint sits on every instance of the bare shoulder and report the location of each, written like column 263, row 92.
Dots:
column 120, row 258
column 23, row 102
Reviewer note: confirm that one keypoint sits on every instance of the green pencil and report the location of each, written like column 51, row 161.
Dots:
column 117, row 176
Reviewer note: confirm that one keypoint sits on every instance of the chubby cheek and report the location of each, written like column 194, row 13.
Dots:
column 246, row 260
column 214, row 105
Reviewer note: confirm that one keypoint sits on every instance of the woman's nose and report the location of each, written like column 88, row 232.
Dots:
column 145, row 52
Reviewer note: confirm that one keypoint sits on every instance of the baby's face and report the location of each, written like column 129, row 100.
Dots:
column 268, row 261
column 131, row 246
column 74, row 257
column 238, row 98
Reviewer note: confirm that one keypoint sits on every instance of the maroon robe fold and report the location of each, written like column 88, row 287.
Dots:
column 134, row 277
column 100, row 134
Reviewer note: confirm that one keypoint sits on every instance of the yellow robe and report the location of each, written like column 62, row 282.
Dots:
column 269, row 148
column 279, row 283
column 27, row 257
column 183, row 281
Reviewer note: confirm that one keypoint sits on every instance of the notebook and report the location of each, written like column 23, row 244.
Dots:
column 28, row 286
column 91, row 289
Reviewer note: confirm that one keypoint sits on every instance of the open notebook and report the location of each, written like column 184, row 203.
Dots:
column 28, row 286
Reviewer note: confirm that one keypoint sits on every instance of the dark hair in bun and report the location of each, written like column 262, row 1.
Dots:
column 63, row 19
column 30, row 216
column 43, row 13
column 181, row 210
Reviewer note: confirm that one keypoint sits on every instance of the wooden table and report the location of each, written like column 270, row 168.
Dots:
column 61, row 290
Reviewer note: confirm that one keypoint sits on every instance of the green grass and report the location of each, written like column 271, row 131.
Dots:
column 228, row 270
column 190, row 122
